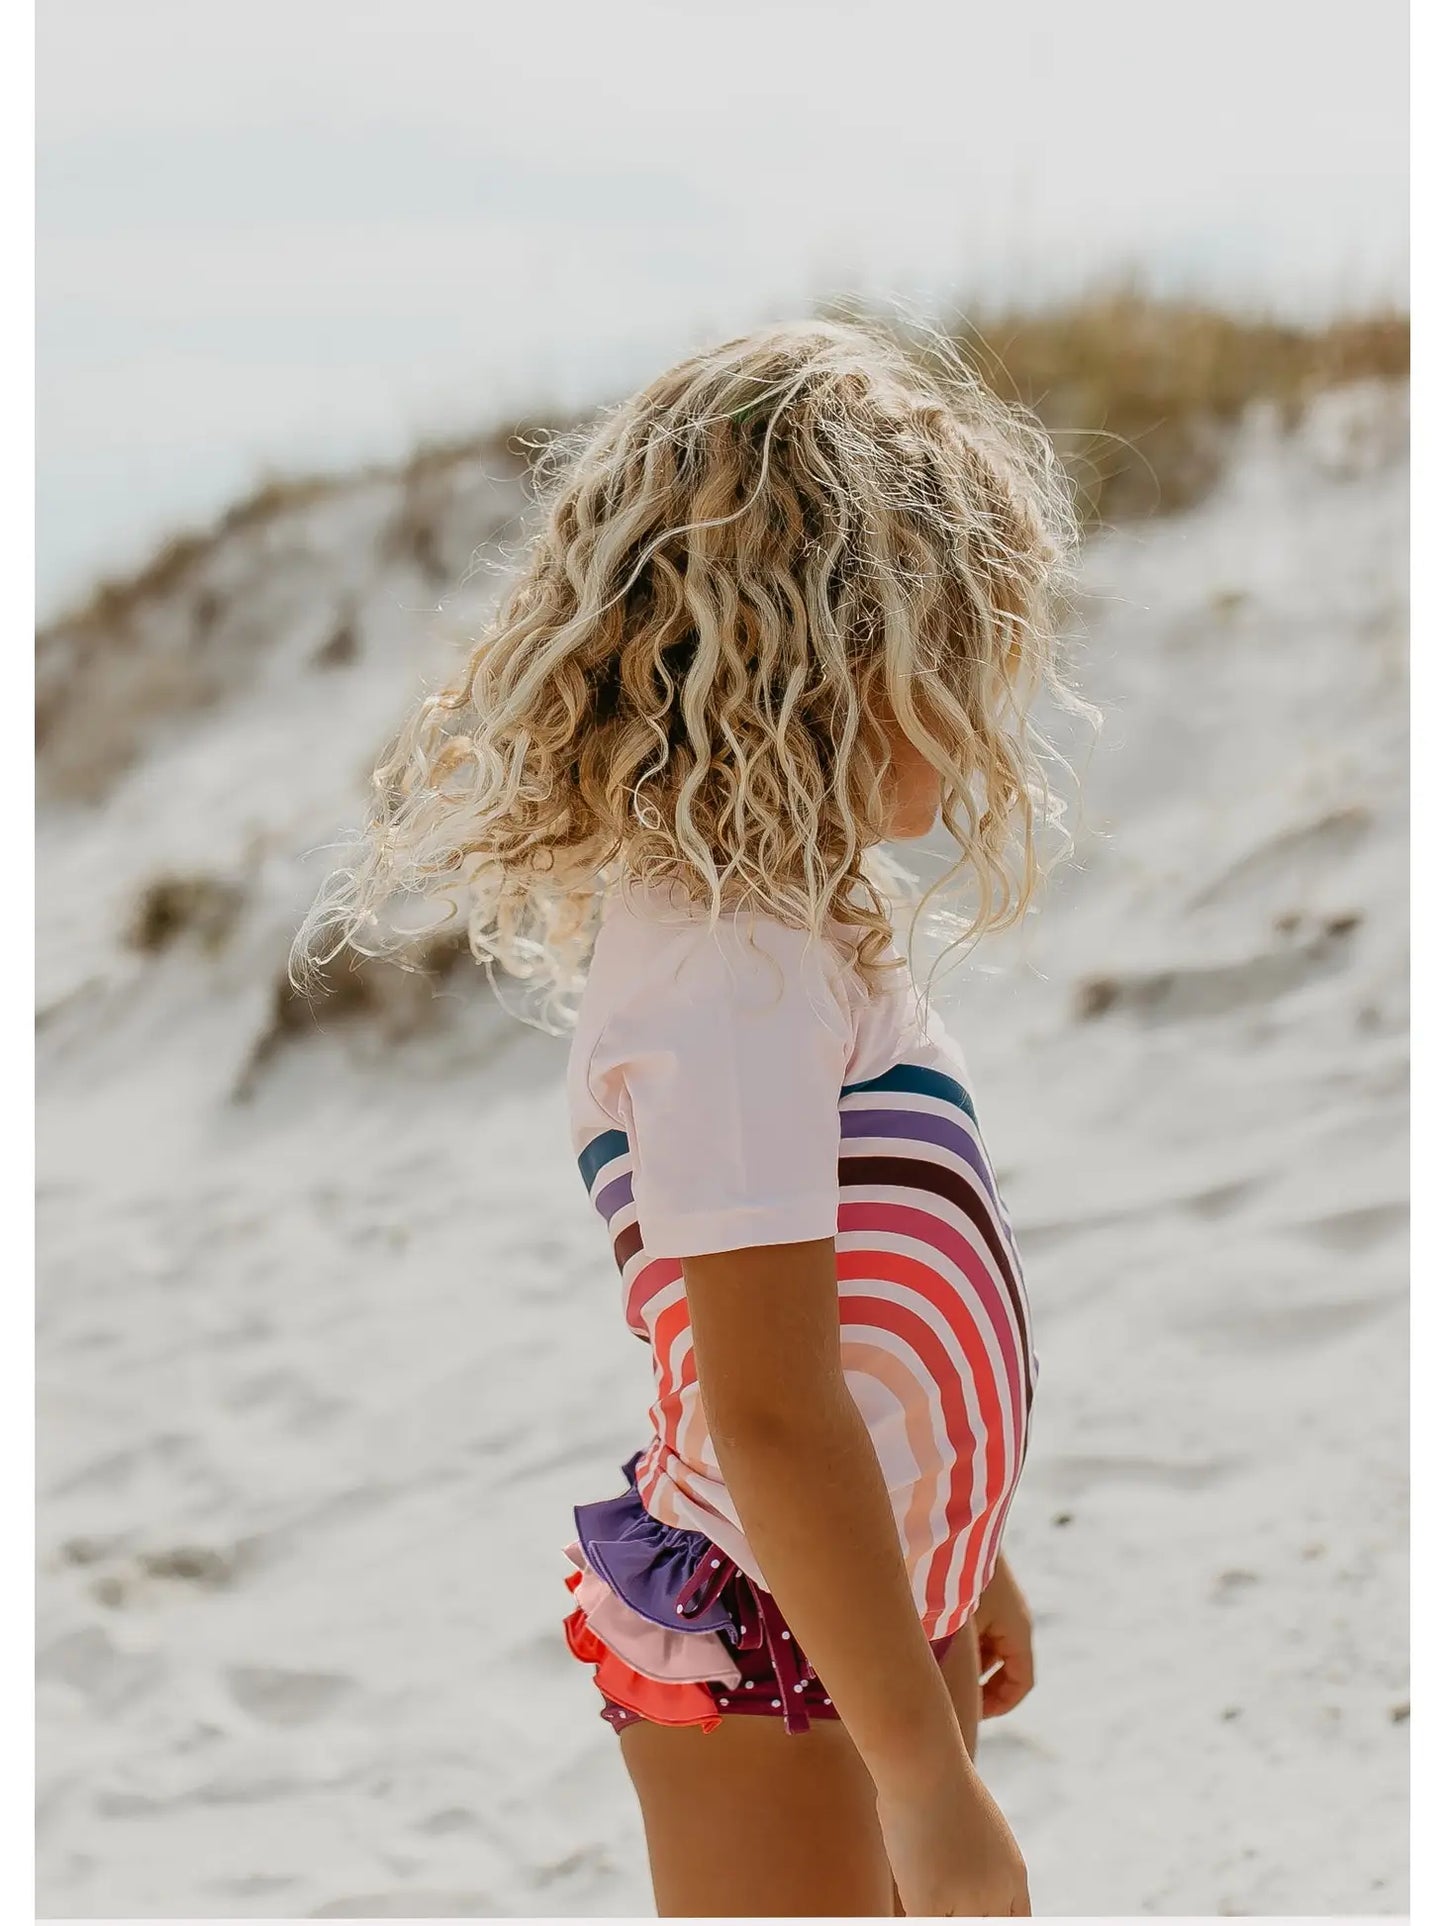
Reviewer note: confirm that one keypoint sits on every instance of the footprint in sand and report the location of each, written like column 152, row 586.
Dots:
column 1217, row 989
column 91, row 1663
column 1280, row 860
column 1358, row 1230
column 276, row 1697
column 1069, row 1477
column 409, row 1905
column 254, row 1885
column 1220, row 1199
column 1292, row 1327
column 1217, row 1200
column 449, row 1820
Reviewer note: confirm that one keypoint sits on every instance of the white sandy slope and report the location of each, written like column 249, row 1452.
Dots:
column 330, row 1342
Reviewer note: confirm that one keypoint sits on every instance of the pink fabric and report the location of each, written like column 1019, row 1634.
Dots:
column 670, row 1658
column 721, row 1052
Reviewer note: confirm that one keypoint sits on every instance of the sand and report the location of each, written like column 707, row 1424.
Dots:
column 329, row 1340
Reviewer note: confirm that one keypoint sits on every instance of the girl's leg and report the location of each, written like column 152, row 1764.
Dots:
column 751, row 1821
column 960, row 1669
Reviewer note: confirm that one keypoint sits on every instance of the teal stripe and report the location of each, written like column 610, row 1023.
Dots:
column 917, row 1082
column 602, row 1150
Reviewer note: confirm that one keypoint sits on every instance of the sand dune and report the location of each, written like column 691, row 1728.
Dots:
column 329, row 1343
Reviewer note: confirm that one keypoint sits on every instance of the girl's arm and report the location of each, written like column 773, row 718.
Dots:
column 797, row 1459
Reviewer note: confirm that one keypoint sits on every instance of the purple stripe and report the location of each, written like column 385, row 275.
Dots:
column 614, row 1195
column 921, row 1128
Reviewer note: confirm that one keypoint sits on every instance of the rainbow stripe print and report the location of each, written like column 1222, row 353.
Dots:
column 936, row 1337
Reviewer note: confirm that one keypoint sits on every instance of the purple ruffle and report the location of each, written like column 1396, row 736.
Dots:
column 680, row 1579
column 652, row 1565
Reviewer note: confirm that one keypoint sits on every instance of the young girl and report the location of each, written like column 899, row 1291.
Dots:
column 789, row 603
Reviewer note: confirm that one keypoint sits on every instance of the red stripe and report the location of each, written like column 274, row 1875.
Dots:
column 939, row 1370
column 910, row 1274
column 671, row 1321
column 995, row 1533
column 923, row 1227
column 651, row 1279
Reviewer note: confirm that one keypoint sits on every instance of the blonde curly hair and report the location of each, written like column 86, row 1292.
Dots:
column 748, row 579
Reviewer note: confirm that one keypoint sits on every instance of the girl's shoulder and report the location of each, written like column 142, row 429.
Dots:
column 711, row 1055
column 651, row 932
column 663, row 967
column 668, row 982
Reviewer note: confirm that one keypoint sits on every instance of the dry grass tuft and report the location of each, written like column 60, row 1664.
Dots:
column 1141, row 394
column 394, row 1000
column 171, row 907
column 341, row 647
column 83, row 742
column 113, row 604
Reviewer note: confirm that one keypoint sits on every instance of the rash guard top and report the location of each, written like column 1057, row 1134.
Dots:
column 735, row 1084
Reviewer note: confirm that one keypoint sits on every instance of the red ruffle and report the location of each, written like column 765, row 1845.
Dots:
column 664, row 1704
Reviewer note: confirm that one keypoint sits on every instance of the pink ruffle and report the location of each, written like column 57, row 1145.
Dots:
column 669, row 1658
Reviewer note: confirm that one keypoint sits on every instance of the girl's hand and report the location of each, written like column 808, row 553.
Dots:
column 951, row 1851
column 1005, row 1643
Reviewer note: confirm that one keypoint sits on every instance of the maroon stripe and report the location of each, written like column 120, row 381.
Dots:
column 627, row 1243
column 918, row 1173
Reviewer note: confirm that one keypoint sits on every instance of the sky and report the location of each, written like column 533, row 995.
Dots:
column 294, row 236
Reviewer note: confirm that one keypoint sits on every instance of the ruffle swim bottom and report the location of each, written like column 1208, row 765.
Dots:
column 676, row 1632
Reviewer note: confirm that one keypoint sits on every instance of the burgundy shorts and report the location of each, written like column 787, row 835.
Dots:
column 760, row 1691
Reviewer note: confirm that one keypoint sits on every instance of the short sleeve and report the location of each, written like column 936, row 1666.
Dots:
column 726, row 1063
